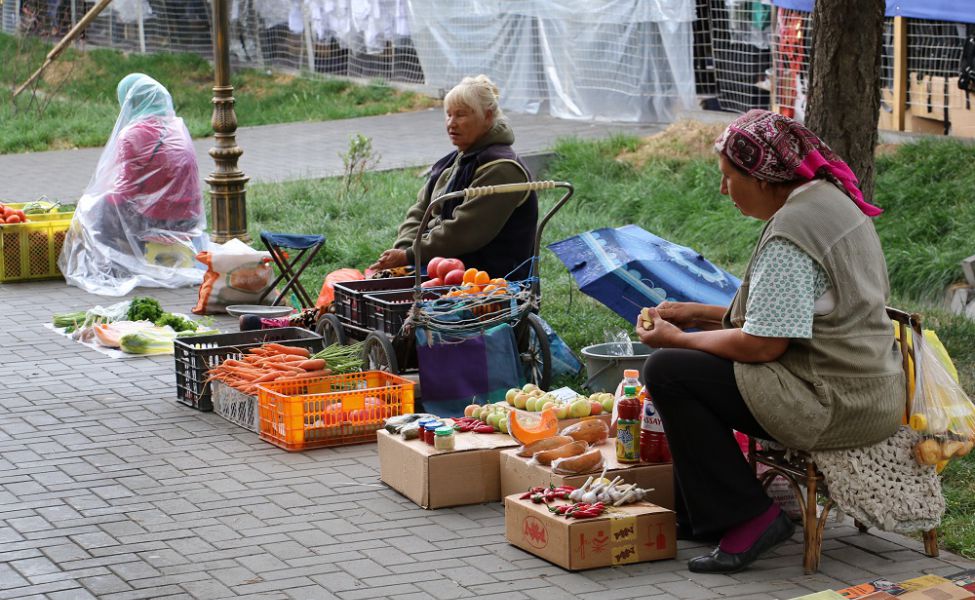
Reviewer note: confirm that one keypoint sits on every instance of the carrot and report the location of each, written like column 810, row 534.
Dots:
column 313, row 365
column 303, row 375
column 278, row 348
column 230, row 362
column 267, row 377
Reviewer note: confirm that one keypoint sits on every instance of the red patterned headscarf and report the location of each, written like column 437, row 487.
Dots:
column 774, row 148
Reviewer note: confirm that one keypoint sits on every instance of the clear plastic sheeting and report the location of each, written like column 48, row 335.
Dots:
column 619, row 60
column 140, row 222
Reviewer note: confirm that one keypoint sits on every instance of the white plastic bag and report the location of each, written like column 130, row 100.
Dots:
column 236, row 274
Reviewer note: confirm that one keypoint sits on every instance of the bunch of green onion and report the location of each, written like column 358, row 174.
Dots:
column 342, row 359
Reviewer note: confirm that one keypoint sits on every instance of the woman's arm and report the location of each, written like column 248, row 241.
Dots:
column 692, row 315
column 732, row 344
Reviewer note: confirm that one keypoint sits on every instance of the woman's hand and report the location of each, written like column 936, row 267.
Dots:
column 681, row 314
column 390, row 259
column 663, row 334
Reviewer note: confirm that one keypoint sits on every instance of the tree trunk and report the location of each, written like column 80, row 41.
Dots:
column 844, row 89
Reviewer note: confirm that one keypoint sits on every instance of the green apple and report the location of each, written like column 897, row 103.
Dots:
column 562, row 411
column 509, row 396
column 493, row 419
column 503, row 425
column 607, row 400
column 521, row 399
column 529, row 387
column 549, row 404
column 579, row 408
column 470, row 409
column 530, row 405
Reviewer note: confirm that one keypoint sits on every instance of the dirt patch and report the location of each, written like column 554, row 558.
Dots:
column 60, row 72
column 682, row 140
column 885, row 149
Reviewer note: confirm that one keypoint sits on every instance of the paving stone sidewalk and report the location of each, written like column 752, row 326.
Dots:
column 110, row 489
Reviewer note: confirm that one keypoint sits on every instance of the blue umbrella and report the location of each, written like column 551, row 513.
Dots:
column 628, row 268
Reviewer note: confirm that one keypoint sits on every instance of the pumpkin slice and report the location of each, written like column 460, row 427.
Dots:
column 547, row 426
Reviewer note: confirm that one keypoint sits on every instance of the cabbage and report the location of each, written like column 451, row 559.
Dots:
column 154, row 340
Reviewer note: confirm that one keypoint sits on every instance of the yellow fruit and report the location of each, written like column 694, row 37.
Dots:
column 918, row 422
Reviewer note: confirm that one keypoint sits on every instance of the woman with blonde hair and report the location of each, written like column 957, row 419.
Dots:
column 492, row 233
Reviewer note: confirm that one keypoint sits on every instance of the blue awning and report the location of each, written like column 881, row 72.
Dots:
column 962, row 11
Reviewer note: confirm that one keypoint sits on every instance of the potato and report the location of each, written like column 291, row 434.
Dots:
column 646, row 318
column 927, row 452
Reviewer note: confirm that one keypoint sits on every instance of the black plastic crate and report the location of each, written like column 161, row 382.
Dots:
column 348, row 304
column 197, row 354
column 386, row 311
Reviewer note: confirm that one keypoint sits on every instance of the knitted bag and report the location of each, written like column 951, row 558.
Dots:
column 883, row 486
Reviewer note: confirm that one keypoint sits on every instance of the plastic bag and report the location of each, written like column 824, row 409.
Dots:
column 141, row 220
column 236, row 274
column 940, row 410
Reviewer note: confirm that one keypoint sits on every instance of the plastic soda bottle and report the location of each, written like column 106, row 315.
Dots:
column 628, row 426
column 653, row 440
column 630, row 377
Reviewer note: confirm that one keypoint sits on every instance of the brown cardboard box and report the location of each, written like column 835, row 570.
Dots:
column 433, row 478
column 627, row 534
column 518, row 475
column 945, row 591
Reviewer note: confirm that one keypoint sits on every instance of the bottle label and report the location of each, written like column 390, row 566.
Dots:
column 651, row 420
column 627, row 441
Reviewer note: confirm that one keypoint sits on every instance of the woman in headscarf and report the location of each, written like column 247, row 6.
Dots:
column 805, row 355
column 145, row 192
column 492, row 233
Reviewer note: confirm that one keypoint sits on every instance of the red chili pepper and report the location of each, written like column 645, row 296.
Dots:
column 538, row 498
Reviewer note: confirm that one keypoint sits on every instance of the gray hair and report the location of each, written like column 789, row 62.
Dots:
column 480, row 94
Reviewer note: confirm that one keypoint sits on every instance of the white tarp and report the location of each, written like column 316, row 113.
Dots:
column 619, row 60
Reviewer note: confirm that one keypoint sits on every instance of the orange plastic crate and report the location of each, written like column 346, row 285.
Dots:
column 332, row 410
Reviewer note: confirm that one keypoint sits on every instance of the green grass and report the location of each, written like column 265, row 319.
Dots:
column 83, row 105
column 926, row 189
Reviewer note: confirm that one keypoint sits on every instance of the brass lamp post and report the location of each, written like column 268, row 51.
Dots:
column 228, row 202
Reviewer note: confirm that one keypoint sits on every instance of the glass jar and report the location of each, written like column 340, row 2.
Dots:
column 443, row 438
column 429, row 429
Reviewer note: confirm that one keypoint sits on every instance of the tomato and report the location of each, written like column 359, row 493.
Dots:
column 433, row 265
column 13, row 219
column 447, row 265
column 435, row 282
column 455, row 277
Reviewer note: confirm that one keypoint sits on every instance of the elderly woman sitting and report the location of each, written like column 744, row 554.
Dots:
column 805, row 355
column 492, row 233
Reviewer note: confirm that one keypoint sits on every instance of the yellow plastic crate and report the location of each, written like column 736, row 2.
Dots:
column 30, row 250
column 52, row 215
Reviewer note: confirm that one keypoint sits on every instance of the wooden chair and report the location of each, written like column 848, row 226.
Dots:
column 799, row 469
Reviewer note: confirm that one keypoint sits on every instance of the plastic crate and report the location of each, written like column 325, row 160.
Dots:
column 51, row 215
column 30, row 250
column 386, row 311
column 348, row 302
column 235, row 406
column 194, row 356
column 332, row 410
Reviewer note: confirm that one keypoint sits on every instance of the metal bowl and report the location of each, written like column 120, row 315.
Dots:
column 260, row 310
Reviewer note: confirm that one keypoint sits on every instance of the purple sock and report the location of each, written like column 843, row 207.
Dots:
column 741, row 537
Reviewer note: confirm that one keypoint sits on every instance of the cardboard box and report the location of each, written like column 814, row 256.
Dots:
column 945, row 591
column 627, row 534
column 518, row 475
column 435, row 479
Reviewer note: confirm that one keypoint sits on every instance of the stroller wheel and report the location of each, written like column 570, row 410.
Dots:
column 535, row 353
column 378, row 354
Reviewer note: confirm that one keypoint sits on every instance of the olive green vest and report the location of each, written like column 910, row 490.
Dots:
column 844, row 387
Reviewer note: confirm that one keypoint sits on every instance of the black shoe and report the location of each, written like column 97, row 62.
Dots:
column 719, row 561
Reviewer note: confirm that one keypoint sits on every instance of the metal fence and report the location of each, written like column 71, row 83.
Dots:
column 743, row 54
